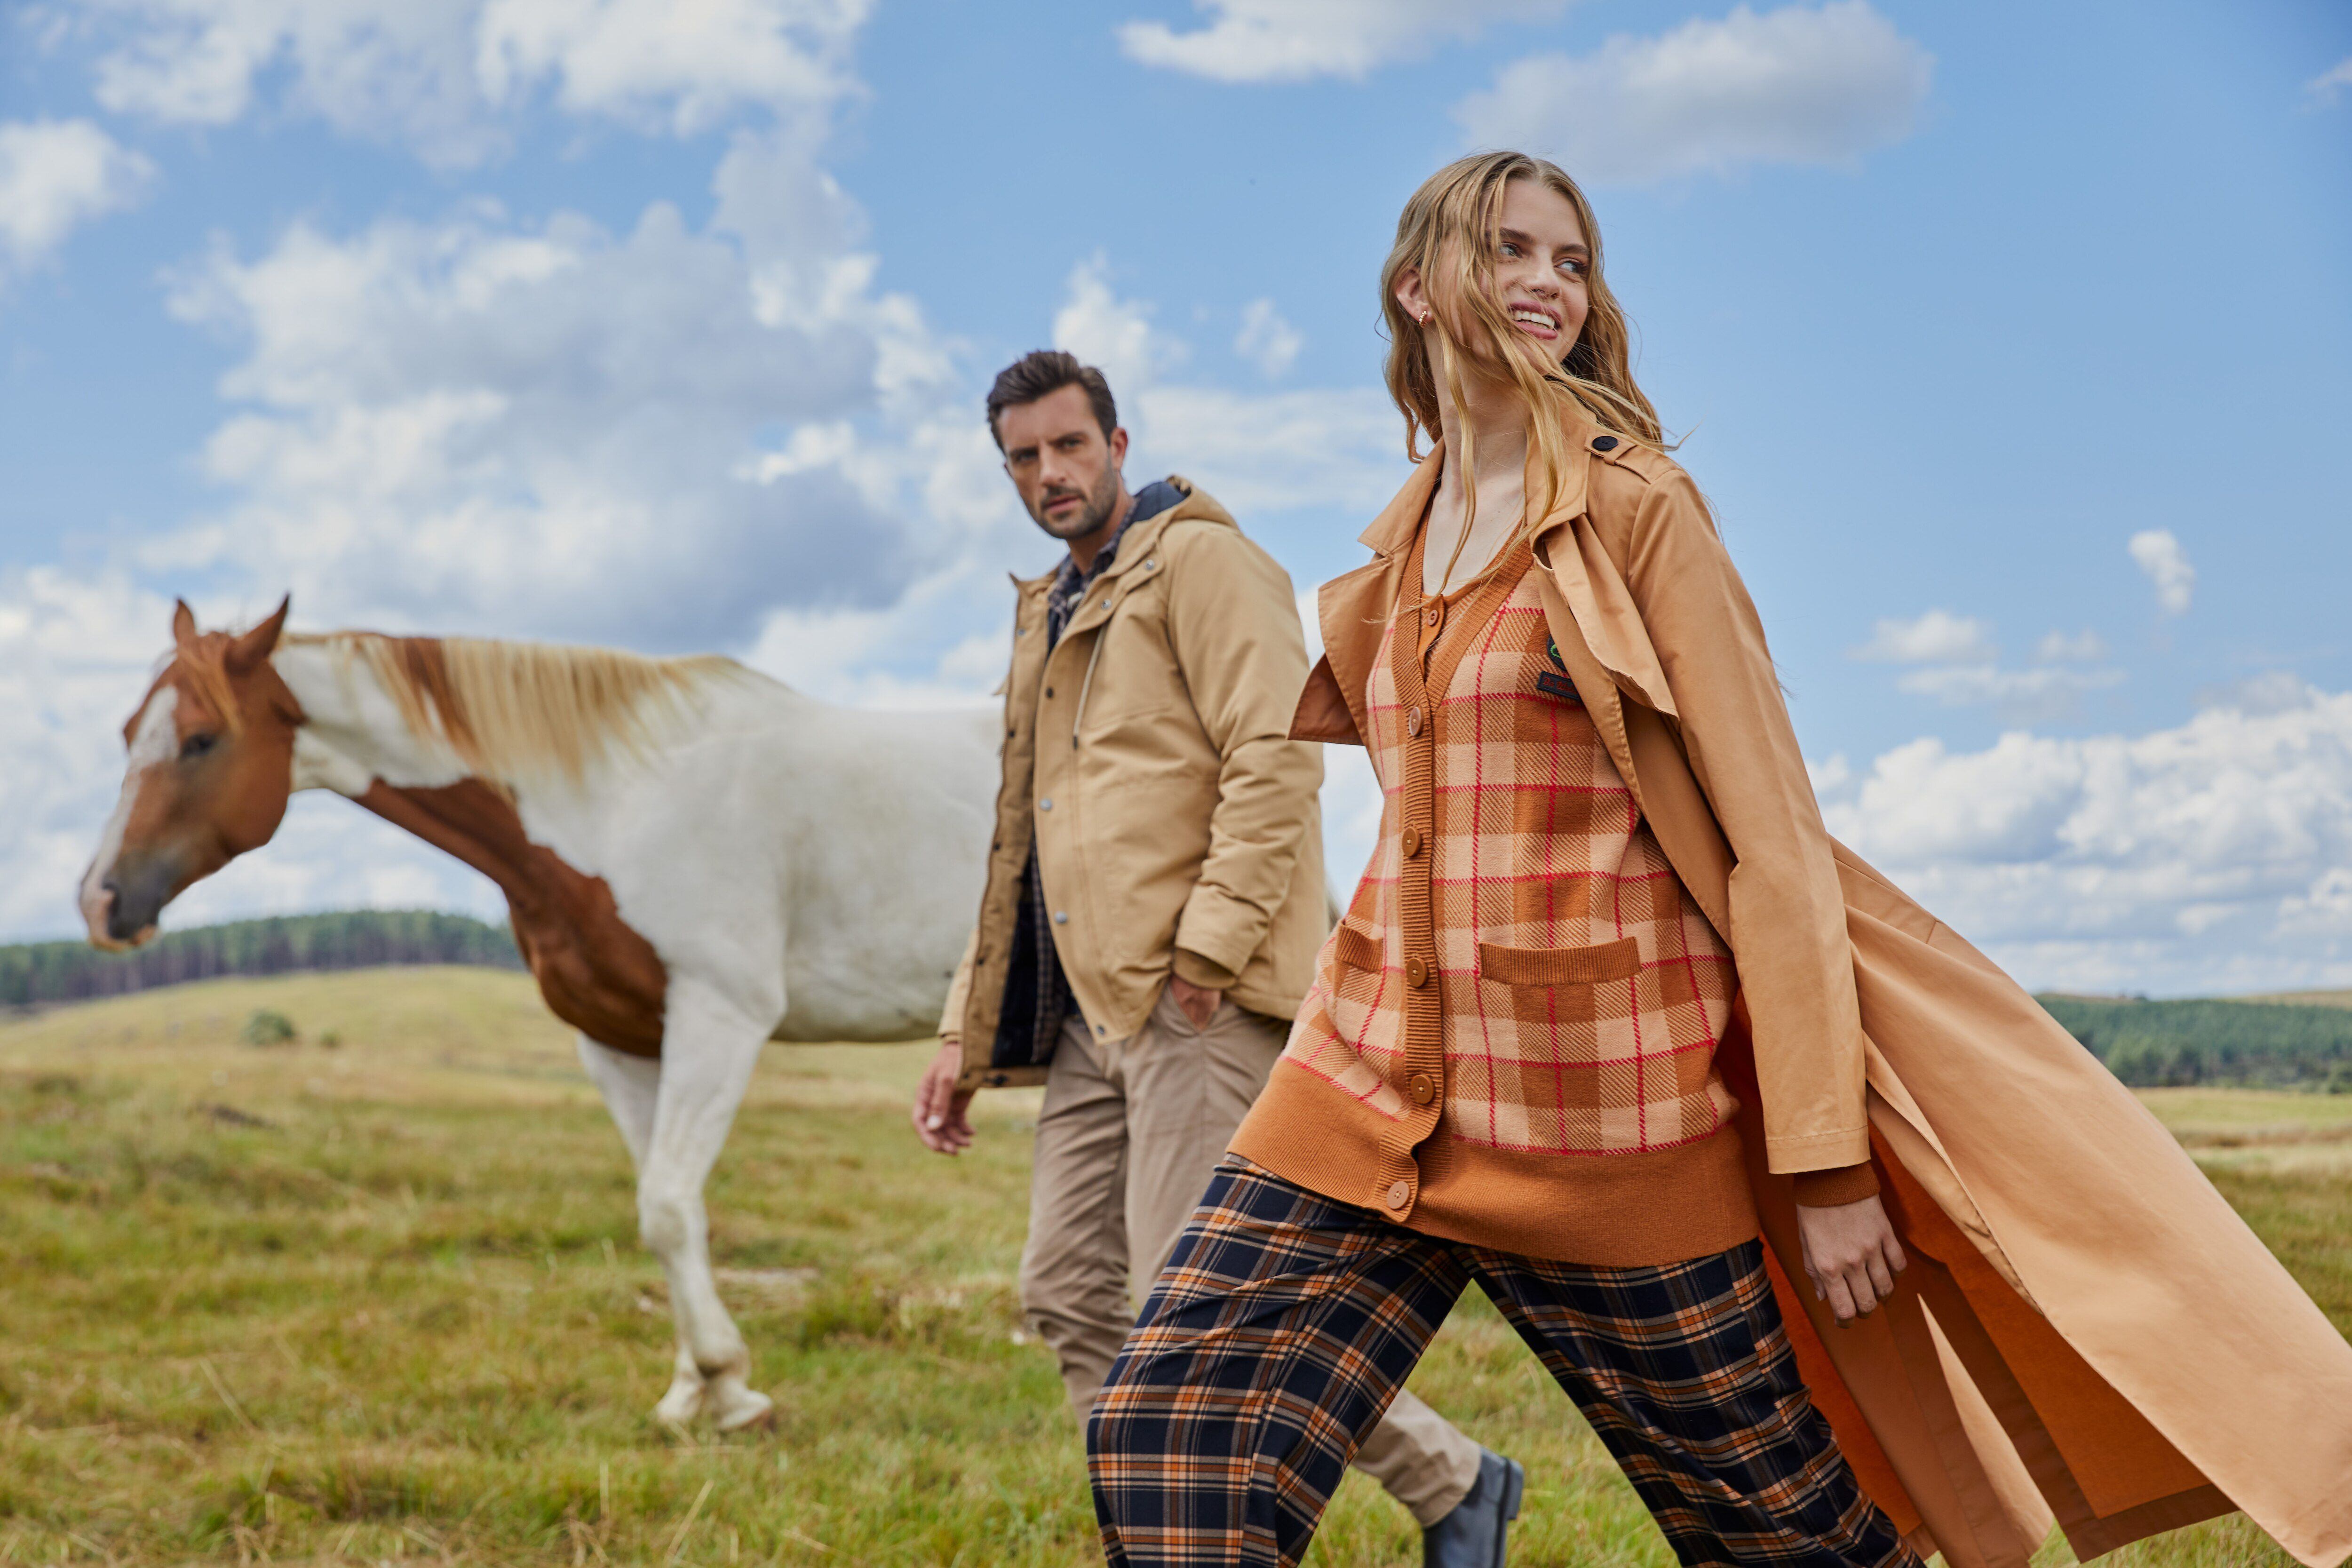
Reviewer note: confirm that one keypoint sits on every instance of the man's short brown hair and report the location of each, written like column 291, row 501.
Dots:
column 1041, row 374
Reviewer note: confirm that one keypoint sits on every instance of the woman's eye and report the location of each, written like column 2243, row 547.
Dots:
column 1506, row 248
column 197, row 745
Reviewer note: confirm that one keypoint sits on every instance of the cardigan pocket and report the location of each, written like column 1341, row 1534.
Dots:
column 1619, row 960
column 1356, row 948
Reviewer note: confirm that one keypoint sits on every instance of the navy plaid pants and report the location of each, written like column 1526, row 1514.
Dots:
column 1284, row 1322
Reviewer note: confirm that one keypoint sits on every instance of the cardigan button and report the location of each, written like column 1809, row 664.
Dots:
column 1411, row 842
column 1416, row 973
column 1413, row 722
column 1399, row 1193
column 1436, row 613
column 1424, row 1088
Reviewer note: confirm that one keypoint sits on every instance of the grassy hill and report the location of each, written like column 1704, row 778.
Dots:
column 385, row 1299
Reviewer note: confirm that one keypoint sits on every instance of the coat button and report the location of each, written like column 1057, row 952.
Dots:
column 1416, row 973
column 1604, row 443
column 1424, row 1088
column 1411, row 842
column 1413, row 722
column 1049, row 691
column 1061, row 917
column 1398, row 1193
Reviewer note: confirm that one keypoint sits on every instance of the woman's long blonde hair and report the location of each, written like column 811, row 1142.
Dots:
column 1463, row 202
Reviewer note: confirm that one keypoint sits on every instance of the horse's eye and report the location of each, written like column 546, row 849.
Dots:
column 197, row 745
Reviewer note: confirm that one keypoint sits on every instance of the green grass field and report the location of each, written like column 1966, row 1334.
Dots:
column 383, row 1300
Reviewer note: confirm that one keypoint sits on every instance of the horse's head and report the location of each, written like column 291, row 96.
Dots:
column 212, row 764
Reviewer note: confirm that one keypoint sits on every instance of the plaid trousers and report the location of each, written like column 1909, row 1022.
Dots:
column 1284, row 1322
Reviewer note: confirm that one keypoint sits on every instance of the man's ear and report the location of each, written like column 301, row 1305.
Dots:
column 1118, row 448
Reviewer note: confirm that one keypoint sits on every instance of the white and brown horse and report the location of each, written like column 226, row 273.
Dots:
column 696, row 859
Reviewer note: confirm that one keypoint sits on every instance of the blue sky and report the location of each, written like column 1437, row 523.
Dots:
column 2009, row 342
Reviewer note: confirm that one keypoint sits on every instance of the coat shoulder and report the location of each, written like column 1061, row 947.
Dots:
column 1633, row 486
column 1197, row 546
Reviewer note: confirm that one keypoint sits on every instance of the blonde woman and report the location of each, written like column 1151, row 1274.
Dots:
column 1595, row 1031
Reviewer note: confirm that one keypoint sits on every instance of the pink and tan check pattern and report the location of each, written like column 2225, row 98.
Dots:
column 1581, row 992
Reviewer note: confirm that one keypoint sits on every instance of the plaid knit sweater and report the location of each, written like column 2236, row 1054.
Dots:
column 1511, row 1038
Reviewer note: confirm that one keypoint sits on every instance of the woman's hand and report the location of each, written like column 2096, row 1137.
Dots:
column 940, row 1109
column 1850, row 1254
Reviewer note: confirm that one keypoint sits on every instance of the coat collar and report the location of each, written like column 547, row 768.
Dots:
column 1567, row 545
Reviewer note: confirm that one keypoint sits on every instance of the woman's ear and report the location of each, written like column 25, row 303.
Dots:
column 1411, row 295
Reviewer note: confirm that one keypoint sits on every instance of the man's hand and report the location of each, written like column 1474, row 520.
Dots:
column 939, row 1115
column 1199, row 1004
column 1852, row 1255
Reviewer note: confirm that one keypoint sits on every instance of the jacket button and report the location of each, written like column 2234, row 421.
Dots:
column 1398, row 1193
column 1411, row 842
column 1424, row 1088
column 1044, row 805
column 1061, row 917
column 1416, row 973
column 1049, row 691
column 1604, row 443
column 1413, row 722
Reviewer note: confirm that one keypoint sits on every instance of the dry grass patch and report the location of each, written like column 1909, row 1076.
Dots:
column 384, row 1301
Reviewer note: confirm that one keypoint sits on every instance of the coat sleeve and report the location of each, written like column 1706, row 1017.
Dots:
column 1233, row 624
column 1787, row 911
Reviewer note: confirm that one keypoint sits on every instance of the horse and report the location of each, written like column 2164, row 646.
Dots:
column 696, row 858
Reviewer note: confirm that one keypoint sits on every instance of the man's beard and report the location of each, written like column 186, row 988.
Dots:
column 1098, row 510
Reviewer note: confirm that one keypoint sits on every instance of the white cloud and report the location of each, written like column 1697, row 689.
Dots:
column 2193, row 858
column 1292, row 40
column 2085, row 647
column 1255, row 451
column 435, row 73
column 1267, row 340
column 1962, row 668
column 1794, row 85
column 1112, row 334
column 2160, row 556
column 2329, row 85
column 2022, row 695
column 55, row 176
column 1937, row 637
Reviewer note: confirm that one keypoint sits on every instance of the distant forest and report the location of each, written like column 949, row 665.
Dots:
column 43, row 971
column 2259, row 1044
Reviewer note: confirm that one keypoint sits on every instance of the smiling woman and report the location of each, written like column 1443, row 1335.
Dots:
column 1613, row 1026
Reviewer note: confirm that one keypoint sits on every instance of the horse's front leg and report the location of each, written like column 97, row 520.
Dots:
column 708, row 1049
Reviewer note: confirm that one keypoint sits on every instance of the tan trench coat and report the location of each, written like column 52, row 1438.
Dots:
column 1147, row 756
column 2087, row 1333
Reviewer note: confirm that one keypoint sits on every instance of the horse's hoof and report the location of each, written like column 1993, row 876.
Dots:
column 749, row 1412
column 680, row 1405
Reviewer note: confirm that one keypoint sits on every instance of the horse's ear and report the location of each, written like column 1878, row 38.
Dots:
column 184, row 624
column 251, row 647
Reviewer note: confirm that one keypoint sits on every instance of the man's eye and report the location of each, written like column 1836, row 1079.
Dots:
column 197, row 745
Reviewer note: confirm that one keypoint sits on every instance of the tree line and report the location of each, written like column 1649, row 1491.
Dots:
column 44, row 971
column 2257, row 1045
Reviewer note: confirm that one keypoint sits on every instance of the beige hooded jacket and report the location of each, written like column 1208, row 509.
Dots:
column 2087, row 1333
column 1149, row 755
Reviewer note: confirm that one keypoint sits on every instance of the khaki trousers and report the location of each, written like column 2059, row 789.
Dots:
column 1130, row 1133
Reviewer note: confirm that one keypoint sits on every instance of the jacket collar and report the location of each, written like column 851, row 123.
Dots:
column 1142, row 536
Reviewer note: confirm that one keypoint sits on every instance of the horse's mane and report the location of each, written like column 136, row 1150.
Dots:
column 514, row 710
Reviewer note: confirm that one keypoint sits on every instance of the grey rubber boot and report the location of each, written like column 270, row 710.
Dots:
column 1474, row 1534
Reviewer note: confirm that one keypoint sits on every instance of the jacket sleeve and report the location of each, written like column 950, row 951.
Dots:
column 1787, row 911
column 1233, row 624
column 958, row 993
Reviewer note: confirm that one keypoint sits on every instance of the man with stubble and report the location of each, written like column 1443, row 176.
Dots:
column 1155, row 902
